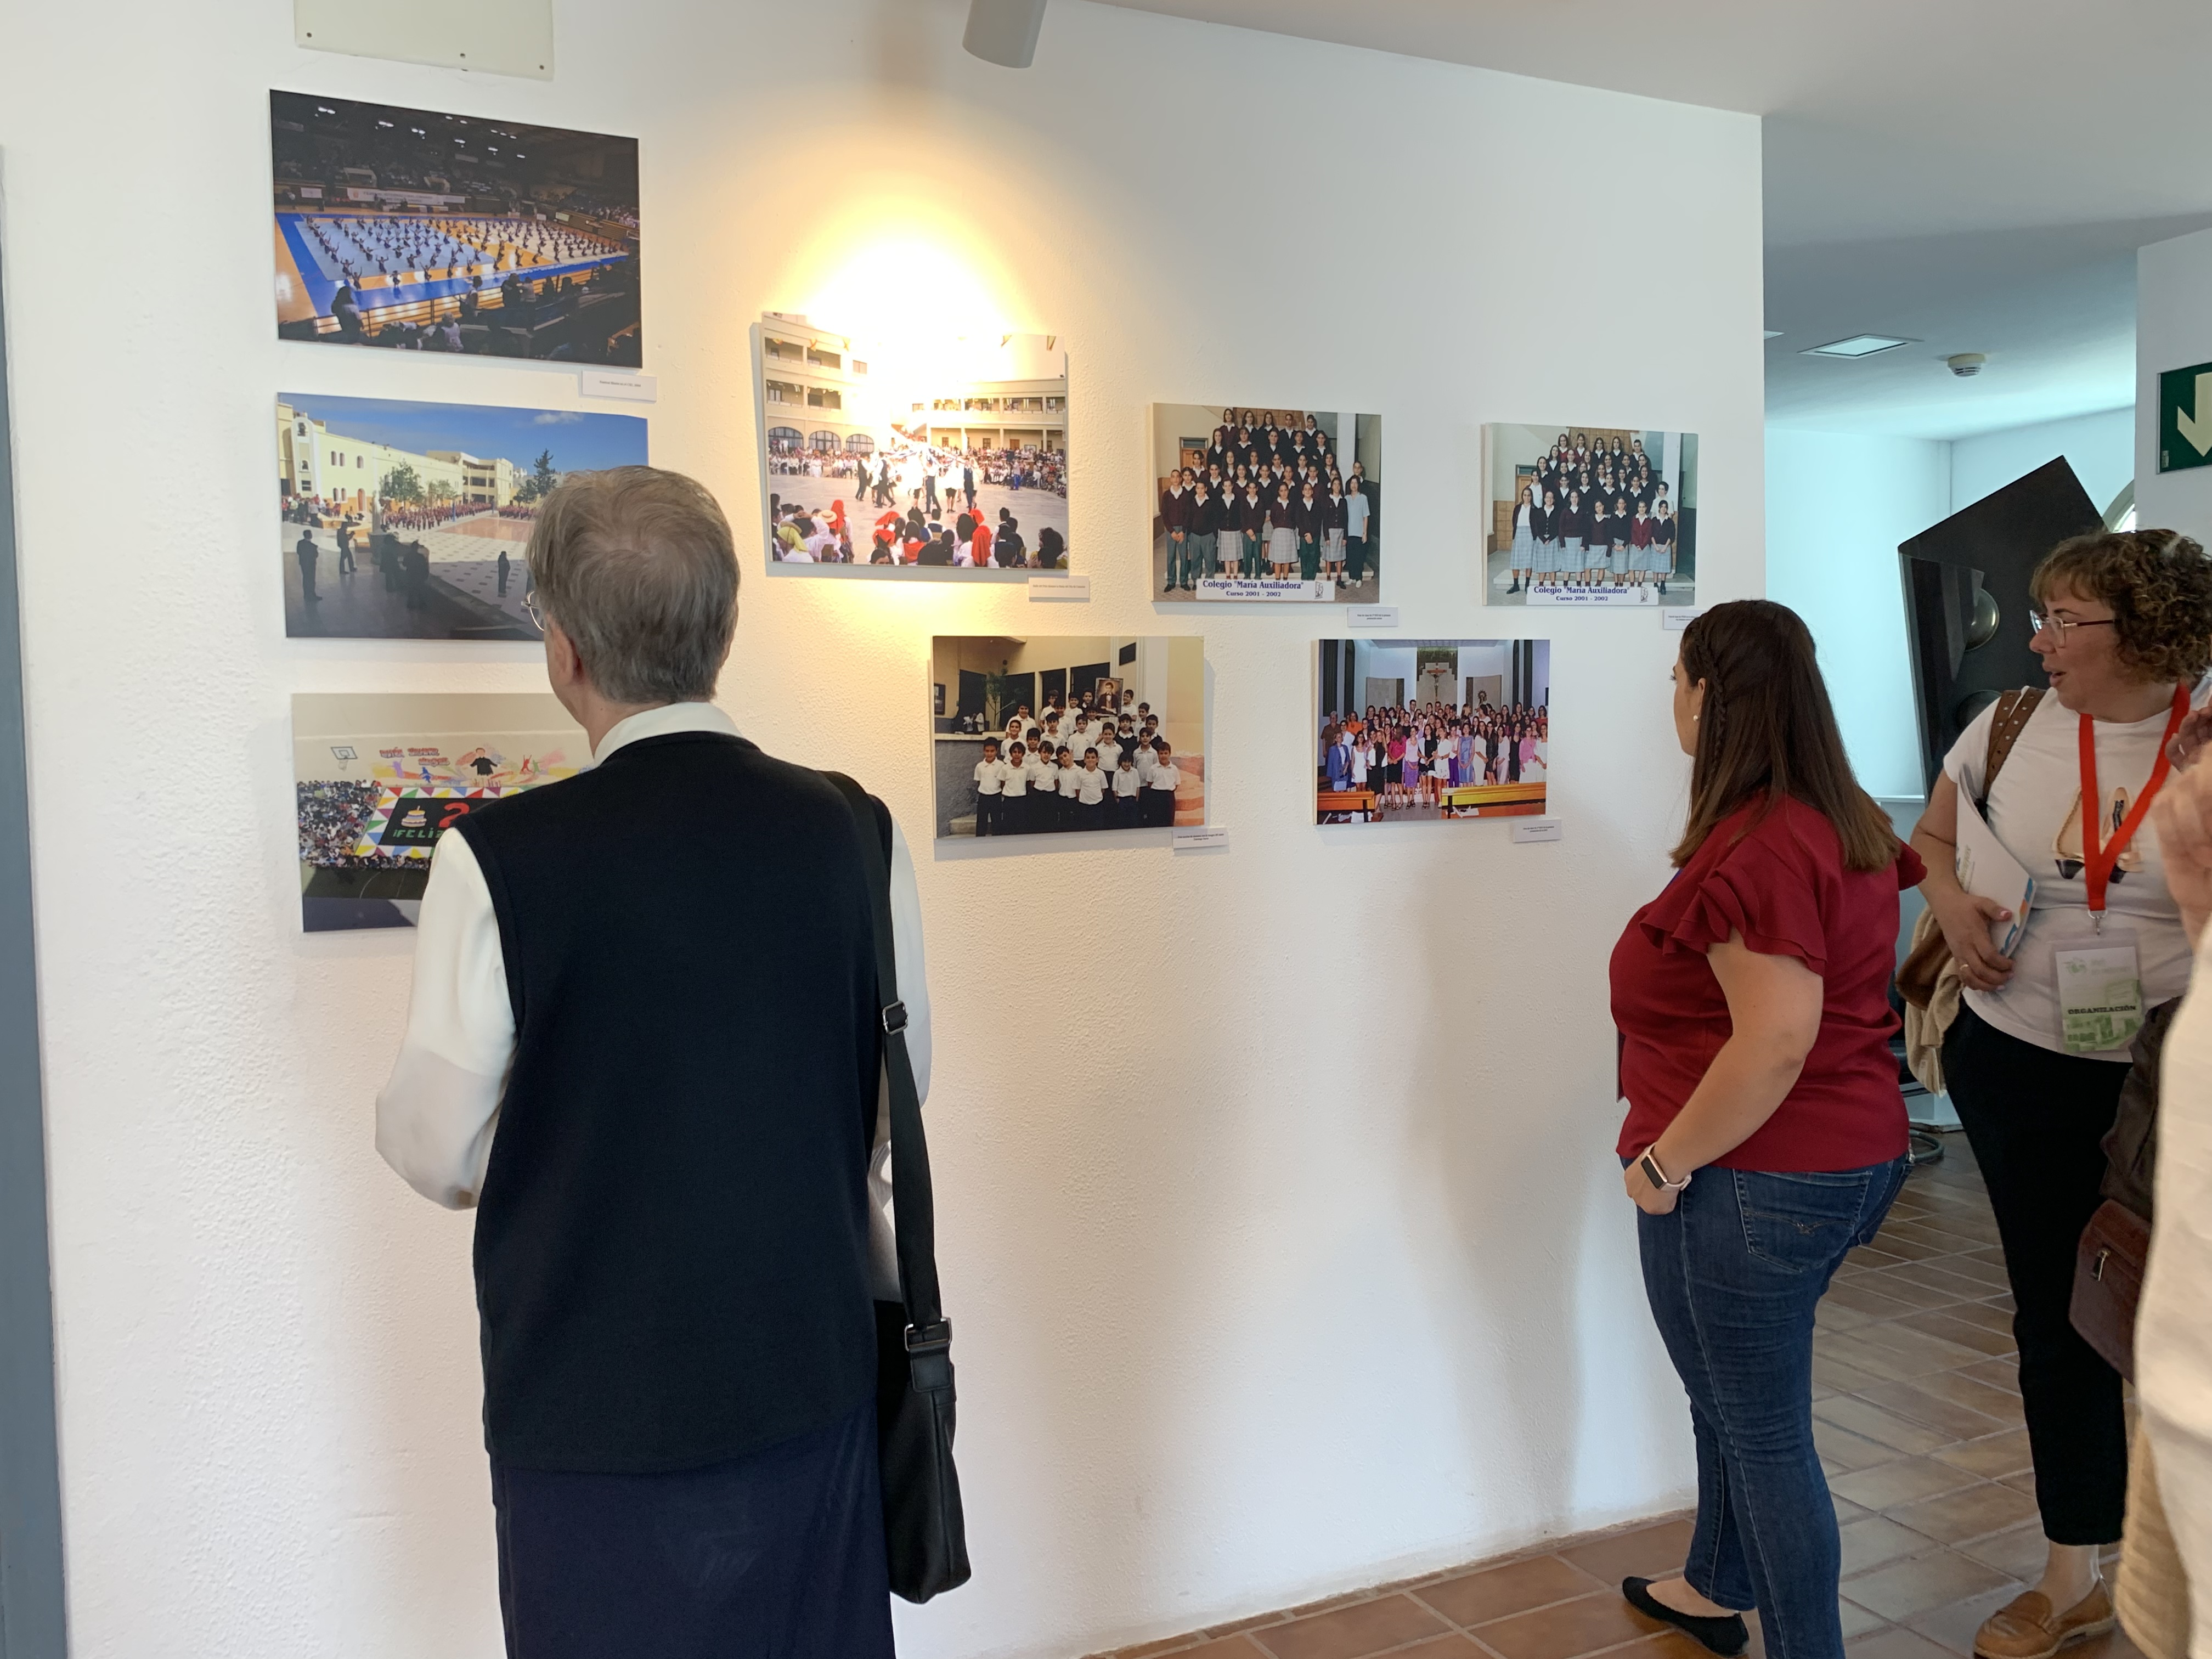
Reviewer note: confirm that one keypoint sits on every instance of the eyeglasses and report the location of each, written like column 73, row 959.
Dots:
column 532, row 609
column 2062, row 626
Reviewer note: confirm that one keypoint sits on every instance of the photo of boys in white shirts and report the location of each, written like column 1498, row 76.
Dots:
column 1068, row 735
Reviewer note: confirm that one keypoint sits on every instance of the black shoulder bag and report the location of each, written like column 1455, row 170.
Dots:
column 925, row 1532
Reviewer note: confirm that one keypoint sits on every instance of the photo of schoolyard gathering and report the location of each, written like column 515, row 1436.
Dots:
column 429, row 232
column 1411, row 729
column 398, row 520
column 1068, row 735
column 940, row 459
column 1258, row 504
column 1591, row 515
column 378, row 777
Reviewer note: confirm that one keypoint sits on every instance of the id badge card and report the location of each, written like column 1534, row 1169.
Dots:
column 2100, row 1005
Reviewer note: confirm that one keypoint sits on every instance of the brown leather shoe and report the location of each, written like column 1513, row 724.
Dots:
column 2026, row 1628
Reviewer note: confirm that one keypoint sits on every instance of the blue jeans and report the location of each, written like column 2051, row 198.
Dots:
column 1733, row 1276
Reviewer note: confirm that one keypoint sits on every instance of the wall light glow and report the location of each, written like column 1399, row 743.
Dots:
column 905, row 288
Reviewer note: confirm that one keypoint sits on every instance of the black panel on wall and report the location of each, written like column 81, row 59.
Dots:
column 1966, row 600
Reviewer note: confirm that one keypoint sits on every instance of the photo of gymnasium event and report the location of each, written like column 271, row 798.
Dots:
column 376, row 778
column 397, row 520
column 1591, row 514
column 428, row 231
column 1432, row 729
column 1052, row 735
column 938, row 458
column 1264, row 504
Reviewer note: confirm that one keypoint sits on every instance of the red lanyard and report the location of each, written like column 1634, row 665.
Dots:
column 2097, row 863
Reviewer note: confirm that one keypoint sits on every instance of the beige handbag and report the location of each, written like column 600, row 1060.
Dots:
column 1928, row 978
column 1926, row 1022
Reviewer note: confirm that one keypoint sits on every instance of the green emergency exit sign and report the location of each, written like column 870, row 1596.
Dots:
column 2185, row 418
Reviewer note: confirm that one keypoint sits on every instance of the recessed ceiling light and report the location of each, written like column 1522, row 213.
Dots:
column 1773, row 333
column 1859, row 345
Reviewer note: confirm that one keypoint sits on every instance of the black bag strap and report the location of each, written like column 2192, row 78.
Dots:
column 913, row 1210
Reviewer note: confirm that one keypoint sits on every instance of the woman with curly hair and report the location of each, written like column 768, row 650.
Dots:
column 2124, row 627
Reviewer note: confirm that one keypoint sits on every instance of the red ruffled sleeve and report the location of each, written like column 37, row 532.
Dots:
column 1910, row 870
column 1767, row 887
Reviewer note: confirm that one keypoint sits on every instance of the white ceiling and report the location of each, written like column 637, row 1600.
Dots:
column 1973, row 173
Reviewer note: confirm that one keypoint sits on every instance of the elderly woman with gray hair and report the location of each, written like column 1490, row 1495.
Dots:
column 643, row 1043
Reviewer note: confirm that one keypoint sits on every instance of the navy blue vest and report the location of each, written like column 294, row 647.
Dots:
column 672, row 1241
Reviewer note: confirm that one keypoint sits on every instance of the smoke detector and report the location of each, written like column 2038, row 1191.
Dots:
column 1967, row 364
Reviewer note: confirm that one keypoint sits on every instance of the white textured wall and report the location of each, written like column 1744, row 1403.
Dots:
column 2173, row 329
column 1837, row 504
column 1314, row 1270
column 2100, row 448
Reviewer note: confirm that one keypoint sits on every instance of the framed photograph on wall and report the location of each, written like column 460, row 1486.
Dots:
column 1068, row 734
column 397, row 520
column 428, row 231
column 1590, row 515
column 932, row 458
column 1407, row 730
column 377, row 778
column 1252, row 504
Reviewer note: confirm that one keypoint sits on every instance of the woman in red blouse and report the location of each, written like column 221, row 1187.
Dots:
column 1766, row 1133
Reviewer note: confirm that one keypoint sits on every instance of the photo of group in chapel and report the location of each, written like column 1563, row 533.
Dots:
column 1411, row 729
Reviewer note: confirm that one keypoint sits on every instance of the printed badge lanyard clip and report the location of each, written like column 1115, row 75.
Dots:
column 2097, row 864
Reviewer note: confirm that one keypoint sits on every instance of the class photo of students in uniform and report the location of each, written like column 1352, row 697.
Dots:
column 1068, row 734
column 1408, row 729
column 1590, row 515
column 1266, row 504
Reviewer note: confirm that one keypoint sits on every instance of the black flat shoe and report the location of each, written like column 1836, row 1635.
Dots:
column 1726, row 1637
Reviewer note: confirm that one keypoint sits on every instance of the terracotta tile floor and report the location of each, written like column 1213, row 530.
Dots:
column 1917, row 1415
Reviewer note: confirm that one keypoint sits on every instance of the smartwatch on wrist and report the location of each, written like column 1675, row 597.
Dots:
column 1657, row 1177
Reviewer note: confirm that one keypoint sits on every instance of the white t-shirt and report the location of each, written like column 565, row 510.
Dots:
column 1091, row 784
column 990, row 776
column 1125, row 781
column 1071, row 781
column 2034, row 812
column 1165, row 777
column 1110, row 754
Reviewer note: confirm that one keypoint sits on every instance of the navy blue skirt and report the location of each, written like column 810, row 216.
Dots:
column 776, row 1555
